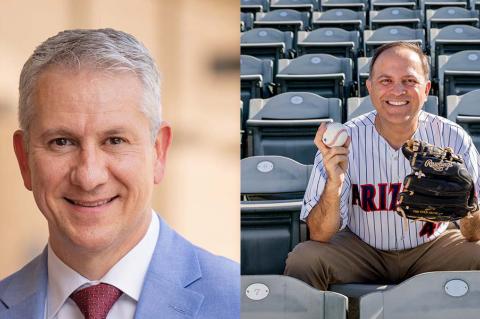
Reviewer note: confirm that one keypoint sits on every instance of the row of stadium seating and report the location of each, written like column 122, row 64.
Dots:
column 311, row 6
column 292, row 20
column 286, row 124
column 329, row 76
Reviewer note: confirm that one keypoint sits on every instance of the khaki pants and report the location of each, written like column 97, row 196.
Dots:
column 348, row 259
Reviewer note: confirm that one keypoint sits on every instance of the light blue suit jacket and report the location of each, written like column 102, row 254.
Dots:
column 182, row 281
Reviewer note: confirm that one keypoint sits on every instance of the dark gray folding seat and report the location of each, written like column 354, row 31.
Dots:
column 363, row 71
column 465, row 110
column 396, row 16
column 382, row 4
column 286, row 124
column 451, row 39
column 246, row 21
column 322, row 74
column 436, row 4
column 299, row 5
column 357, row 106
column 432, row 295
column 458, row 74
column 266, row 43
column 282, row 297
column 334, row 41
column 339, row 18
column 283, row 20
column 254, row 5
column 474, row 4
column 255, row 78
column 272, row 189
column 355, row 5
column 375, row 38
column 445, row 16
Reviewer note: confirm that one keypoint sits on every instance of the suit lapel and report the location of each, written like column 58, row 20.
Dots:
column 26, row 292
column 174, row 266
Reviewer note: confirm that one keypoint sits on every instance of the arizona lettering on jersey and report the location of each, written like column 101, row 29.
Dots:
column 375, row 176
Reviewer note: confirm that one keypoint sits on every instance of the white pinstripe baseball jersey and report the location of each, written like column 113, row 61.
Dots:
column 375, row 176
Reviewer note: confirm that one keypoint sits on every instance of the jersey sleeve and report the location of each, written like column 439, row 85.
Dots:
column 316, row 185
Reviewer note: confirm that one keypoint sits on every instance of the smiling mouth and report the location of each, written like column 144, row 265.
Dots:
column 96, row 203
column 397, row 103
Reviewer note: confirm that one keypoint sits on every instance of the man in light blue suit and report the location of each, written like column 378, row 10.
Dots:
column 91, row 147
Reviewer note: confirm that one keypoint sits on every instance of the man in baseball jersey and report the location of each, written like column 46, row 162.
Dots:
column 349, row 204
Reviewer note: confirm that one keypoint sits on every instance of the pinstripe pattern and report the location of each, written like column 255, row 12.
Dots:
column 377, row 171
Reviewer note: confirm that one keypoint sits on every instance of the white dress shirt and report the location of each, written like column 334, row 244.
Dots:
column 127, row 275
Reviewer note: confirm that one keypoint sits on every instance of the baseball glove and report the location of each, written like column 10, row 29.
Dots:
column 439, row 189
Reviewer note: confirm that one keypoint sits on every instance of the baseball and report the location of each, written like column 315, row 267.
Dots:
column 335, row 135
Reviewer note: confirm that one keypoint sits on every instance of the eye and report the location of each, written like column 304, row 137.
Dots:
column 411, row 81
column 115, row 140
column 385, row 81
column 61, row 141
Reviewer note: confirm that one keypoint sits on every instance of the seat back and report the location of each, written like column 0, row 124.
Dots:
column 246, row 21
column 254, row 5
column 448, row 294
column 272, row 189
column 452, row 39
column 286, row 124
column 282, row 297
column 363, row 71
column 464, row 110
column 322, row 74
column 458, row 74
column 339, row 18
column 334, row 41
column 382, row 4
column 396, row 16
column 375, row 38
column 355, row 5
column 299, row 5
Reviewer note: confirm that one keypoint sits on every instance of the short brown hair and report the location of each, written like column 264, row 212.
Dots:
column 407, row 45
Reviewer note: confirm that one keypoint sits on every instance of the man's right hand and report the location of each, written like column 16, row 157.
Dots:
column 335, row 159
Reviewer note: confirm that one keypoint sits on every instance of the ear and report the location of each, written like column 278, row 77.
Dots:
column 162, row 144
column 369, row 86
column 20, row 148
column 428, row 86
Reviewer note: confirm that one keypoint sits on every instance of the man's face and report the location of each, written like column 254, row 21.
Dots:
column 397, row 86
column 90, row 161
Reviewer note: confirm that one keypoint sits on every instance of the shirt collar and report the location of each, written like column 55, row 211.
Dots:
column 127, row 274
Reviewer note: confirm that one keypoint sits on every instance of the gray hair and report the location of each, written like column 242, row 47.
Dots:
column 102, row 49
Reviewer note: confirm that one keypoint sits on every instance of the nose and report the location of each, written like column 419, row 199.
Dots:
column 90, row 170
column 398, row 89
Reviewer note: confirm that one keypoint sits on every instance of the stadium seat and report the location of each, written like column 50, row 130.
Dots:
column 322, row 74
column 339, row 18
column 246, row 21
column 357, row 106
column 334, row 41
column 254, row 5
column 299, row 5
column 363, row 71
column 375, row 38
column 286, row 124
column 382, row 4
column 396, row 16
column 433, row 295
column 436, row 4
column 465, row 111
column 451, row 39
column 272, row 189
column 445, row 16
column 282, row 297
column 458, row 74
column 255, row 76
column 474, row 5
column 266, row 43
column 355, row 5
column 283, row 20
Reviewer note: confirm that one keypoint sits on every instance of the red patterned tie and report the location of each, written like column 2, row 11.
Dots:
column 95, row 301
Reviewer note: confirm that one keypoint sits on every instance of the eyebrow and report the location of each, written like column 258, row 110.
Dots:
column 64, row 131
